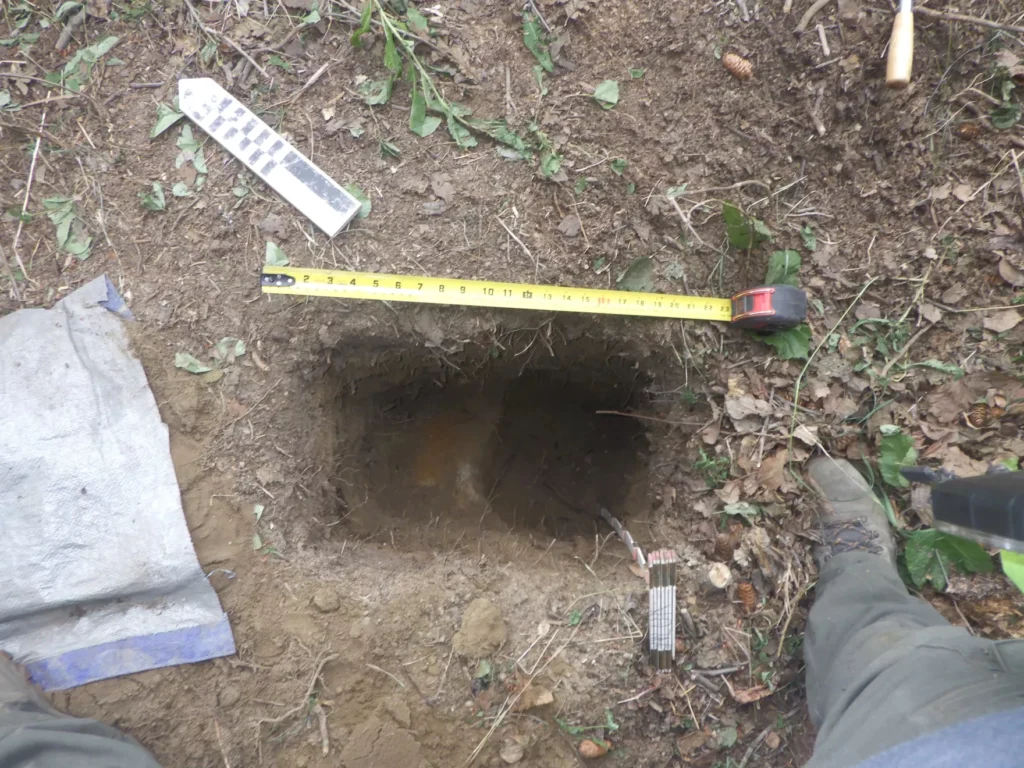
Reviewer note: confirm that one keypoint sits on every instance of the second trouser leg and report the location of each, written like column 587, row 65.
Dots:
column 884, row 667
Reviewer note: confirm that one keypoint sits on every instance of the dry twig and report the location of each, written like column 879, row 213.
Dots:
column 948, row 16
column 809, row 15
column 221, row 36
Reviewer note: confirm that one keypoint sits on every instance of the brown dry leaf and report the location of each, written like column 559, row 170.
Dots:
column 772, row 740
column 534, row 696
column 570, row 226
column 806, row 435
column 750, row 695
column 959, row 463
column 963, row 192
column 947, row 402
column 931, row 313
column 730, row 492
column 691, row 742
column 710, row 434
column 772, row 473
column 941, row 192
column 1001, row 322
column 641, row 573
column 954, row 295
column 1011, row 274
column 740, row 404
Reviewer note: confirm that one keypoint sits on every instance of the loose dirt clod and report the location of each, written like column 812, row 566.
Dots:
column 326, row 600
column 482, row 632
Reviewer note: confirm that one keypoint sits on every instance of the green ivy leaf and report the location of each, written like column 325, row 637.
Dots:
column 618, row 165
column 581, row 185
column 418, row 23
column 376, row 92
column 744, row 231
column 550, row 164
column 275, row 256
column 930, row 554
column 365, row 19
column 533, row 40
column 607, row 93
column 1013, row 567
column 154, row 200
column 1006, row 116
column 783, row 267
column 896, row 450
column 359, row 195
column 809, row 238
column 419, row 122
column 637, row 276
column 791, row 344
column 190, row 363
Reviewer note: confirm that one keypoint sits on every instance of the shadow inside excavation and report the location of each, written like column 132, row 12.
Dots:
column 428, row 456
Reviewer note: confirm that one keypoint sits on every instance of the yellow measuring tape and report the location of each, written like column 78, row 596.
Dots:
column 487, row 293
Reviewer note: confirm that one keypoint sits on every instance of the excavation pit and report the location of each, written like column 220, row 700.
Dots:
column 432, row 450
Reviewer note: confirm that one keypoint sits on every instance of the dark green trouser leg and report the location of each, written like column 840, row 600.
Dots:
column 884, row 667
column 31, row 737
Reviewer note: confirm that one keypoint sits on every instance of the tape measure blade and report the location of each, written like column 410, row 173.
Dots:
column 266, row 153
column 484, row 293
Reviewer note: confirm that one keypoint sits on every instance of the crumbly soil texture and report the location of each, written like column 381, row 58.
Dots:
column 400, row 505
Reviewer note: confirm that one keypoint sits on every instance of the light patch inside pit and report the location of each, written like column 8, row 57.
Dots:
column 428, row 456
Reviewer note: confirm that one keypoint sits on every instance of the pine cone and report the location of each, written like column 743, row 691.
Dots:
column 738, row 67
column 841, row 442
column 724, row 547
column 747, row 595
column 979, row 417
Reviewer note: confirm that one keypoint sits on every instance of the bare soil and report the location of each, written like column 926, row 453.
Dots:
column 412, row 460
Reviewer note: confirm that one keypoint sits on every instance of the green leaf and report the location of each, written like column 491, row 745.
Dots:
column 550, row 164
column 538, row 75
column 257, row 509
column 376, row 92
column 313, row 17
column 94, row 52
column 607, row 93
column 895, row 451
column 631, row 188
column 227, row 349
column 744, row 231
column 636, row 74
column 391, row 58
column 1013, row 567
column 637, row 276
column 956, row 371
column 618, row 165
column 726, row 737
column 190, row 363
column 365, row 19
column 389, row 149
column 419, row 122
column 575, row 618
column 5, row 98
column 418, row 23
column 743, row 509
column 153, row 201
column 483, row 669
column 498, row 130
column 809, row 238
column 359, row 195
column 199, row 162
column 581, row 185
column 78, row 246
column 1012, row 463
column 187, row 141
column 1006, row 116
column 257, row 542
column 275, row 256
column 673, row 192
column 783, row 267
column 791, row 344
column 460, row 133
column 532, row 39
column 277, row 61
column 930, row 554
column 609, row 721
column 180, row 189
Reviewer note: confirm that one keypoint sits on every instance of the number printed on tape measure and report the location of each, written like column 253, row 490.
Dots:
column 486, row 293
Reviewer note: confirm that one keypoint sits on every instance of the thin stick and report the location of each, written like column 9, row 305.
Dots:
column 325, row 738
column 722, row 671
column 686, row 220
column 785, row 627
column 903, row 350
column 440, row 686
column 947, row 16
column 24, row 203
column 10, row 274
column 385, row 672
column 651, row 418
column 536, row 264
column 803, row 372
column 254, row 405
column 754, row 745
column 808, row 17
column 823, row 39
column 304, row 702
column 225, row 38
column 216, row 728
column 737, row 185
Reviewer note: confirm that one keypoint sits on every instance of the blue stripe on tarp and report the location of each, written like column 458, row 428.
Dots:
column 134, row 654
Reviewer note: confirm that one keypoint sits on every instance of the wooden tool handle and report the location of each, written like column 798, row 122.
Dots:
column 901, row 51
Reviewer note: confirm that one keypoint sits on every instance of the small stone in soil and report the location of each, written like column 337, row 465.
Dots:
column 326, row 601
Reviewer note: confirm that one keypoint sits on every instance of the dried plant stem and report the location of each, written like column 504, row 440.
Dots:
column 809, row 15
column 24, row 202
column 949, row 16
